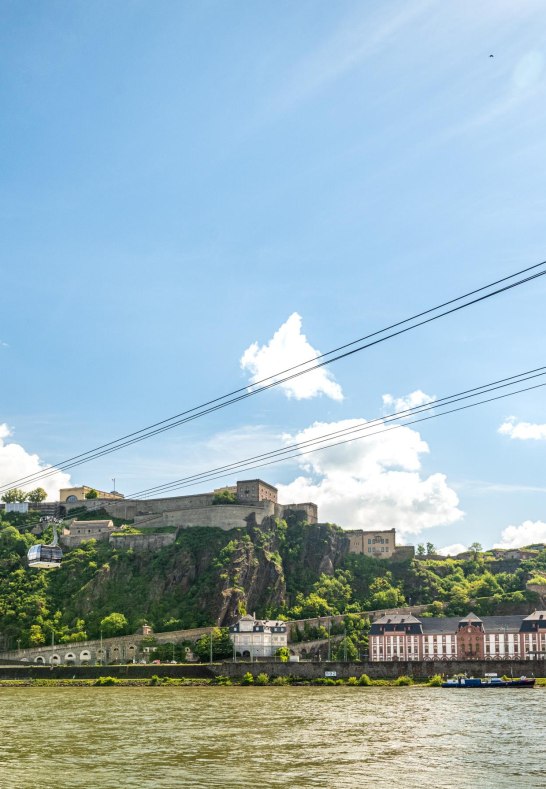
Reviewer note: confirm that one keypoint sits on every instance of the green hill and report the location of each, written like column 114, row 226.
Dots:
column 210, row 576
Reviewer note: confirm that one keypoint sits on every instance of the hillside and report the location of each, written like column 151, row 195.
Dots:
column 209, row 576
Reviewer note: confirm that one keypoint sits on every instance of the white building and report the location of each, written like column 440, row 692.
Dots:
column 254, row 638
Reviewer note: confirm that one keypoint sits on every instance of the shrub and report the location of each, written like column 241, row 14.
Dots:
column 403, row 680
column 247, row 679
column 102, row 681
column 352, row 681
column 435, row 681
column 364, row 680
column 262, row 678
column 222, row 680
column 283, row 653
column 280, row 681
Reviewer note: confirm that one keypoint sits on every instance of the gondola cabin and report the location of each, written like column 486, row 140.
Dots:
column 44, row 556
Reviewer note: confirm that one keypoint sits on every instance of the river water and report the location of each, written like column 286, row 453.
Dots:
column 234, row 737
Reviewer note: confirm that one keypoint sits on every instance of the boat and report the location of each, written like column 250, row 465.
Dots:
column 489, row 681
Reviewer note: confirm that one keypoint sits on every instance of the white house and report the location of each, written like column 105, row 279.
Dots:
column 258, row 637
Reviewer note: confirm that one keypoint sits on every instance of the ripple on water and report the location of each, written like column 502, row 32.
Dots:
column 155, row 738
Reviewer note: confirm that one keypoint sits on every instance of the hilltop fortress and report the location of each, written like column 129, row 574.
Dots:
column 225, row 508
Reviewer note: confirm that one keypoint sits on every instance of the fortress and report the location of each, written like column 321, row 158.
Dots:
column 217, row 509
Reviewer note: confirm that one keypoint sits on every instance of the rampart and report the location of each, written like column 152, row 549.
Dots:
column 220, row 516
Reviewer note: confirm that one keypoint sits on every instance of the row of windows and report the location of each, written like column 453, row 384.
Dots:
column 378, row 539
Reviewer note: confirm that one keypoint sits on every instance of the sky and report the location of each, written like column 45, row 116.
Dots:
column 196, row 195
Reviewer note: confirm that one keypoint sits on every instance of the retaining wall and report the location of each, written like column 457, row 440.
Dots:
column 387, row 670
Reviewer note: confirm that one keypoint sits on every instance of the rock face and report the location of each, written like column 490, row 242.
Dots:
column 212, row 574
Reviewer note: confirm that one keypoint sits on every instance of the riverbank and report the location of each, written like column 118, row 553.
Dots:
column 262, row 680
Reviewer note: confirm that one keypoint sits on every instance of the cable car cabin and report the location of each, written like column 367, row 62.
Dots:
column 44, row 556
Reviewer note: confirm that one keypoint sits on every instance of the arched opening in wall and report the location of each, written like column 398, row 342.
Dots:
column 85, row 656
column 101, row 656
column 55, row 660
column 40, row 660
column 70, row 658
column 71, row 499
column 303, row 653
column 131, row 654
column 246, row 653
column 116, row 654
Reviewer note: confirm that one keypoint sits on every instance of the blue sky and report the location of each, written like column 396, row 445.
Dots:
column 180, row 179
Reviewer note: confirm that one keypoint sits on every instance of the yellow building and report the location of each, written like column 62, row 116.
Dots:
column 71, row 495
column 379, row 544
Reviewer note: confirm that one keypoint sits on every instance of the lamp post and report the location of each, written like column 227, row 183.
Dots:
column 211, row 631
column 329, row 641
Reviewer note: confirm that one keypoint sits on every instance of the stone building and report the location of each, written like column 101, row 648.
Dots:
column 251, row 491
column 379, row 544
column 258, row 637
column 80, row 531
column 404, row 637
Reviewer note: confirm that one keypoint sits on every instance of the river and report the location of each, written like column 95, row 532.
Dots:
column 234, row 737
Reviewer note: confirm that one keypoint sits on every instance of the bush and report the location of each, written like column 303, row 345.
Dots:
column 280, row 681
column 435, row 681
column 222, row 680
column 247, row 679
column 102, row 681
column 352, row 681
column 364, row 680
column 283, row 653
column 262, row 678
column 403, row 680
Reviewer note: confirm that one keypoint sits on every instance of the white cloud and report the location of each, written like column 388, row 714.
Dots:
column 452, row 550
column 412, row 400
column 287, row 348
column 16, row 462
column 527, row 533
column 372, row 483
column 524, row 431
column 3, row 344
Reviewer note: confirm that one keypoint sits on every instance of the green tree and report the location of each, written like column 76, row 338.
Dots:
column 476, row 547
column 283, row 653
column 431, row 549
column 14, row 495
column 421, row 551
column 222, row 645
column 91, row 494
column 36, row 636
column 384, row 595
column 37, row 495
column 114, row 624
column 346, row 648
column 225, row 497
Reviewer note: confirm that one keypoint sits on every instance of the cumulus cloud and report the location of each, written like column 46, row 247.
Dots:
column 452, row 550
column 524, row 431
column 373, row 483
column 287, row 348
column 527, row 533
column 412, row 400
column 16, row 462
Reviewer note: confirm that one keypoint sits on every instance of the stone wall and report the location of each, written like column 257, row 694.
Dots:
column 387, row 670
column 220, row 516
column 143, row 542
